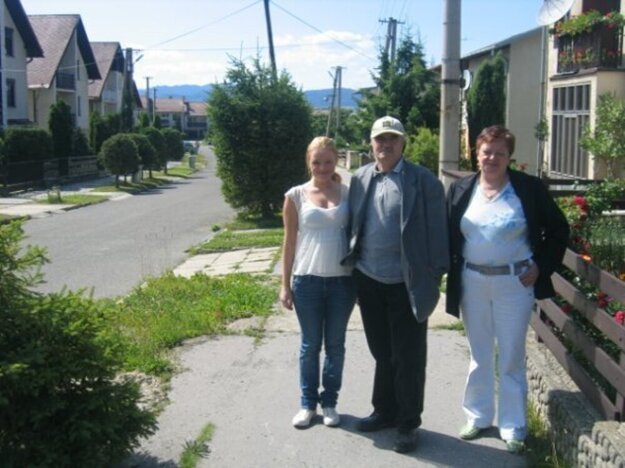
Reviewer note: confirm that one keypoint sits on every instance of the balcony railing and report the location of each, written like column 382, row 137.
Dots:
column 600, row 48
column 65, row 80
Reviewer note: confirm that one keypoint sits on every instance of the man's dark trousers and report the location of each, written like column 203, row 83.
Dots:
column 398, row 343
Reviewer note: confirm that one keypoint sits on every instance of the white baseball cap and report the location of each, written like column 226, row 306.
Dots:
column 387, row 124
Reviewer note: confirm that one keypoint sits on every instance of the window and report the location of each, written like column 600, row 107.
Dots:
column 8, row 42
column 77, row 70
column 571, row 114
column 78, row 104
column 10, row 93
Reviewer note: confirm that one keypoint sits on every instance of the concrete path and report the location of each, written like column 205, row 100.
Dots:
column 249, row 391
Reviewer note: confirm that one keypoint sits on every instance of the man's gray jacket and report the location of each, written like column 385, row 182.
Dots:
column 424, row 237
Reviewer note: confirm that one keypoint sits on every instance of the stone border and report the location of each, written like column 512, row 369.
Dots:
column 579, row 433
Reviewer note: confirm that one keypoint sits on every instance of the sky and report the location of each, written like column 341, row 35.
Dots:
column 193, row 41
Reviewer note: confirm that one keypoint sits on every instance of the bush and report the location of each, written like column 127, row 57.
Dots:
column 147, row 154
column 173, row 143
column 120, row 155
column 422, row 148
column 62, row 129
column 158, row 142
column 27, row 144
column 80, row 144
column 59, row 402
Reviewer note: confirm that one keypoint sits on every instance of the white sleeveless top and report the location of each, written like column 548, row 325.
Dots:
column 321, row 235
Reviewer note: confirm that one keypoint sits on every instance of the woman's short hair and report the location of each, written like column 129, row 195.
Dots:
column 495, row 132
column 322, row 143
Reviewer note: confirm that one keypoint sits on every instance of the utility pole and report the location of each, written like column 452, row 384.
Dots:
column 336, row 97
column 128, row 105
column 147, row 96
column 391, row 37
column 272, row 55
column 450, row 92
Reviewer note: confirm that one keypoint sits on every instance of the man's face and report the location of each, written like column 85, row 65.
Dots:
column 387, row 150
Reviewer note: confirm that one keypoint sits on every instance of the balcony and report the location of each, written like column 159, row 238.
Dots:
column 602, row 47
column 65, row 80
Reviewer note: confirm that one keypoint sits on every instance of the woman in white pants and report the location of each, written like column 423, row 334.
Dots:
column 507, row 236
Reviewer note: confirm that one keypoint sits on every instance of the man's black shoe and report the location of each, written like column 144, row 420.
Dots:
column 406, row 441
column 374, row 422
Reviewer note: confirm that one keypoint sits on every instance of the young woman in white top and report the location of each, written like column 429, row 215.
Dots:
column 315, row 216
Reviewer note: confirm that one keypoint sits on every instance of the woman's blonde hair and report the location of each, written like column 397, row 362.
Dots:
column 322, row 143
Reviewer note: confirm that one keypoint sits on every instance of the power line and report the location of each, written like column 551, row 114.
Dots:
column 321, row 32
column 229, row 15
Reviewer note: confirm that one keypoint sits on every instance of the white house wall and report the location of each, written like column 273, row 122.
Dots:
column 15, row 68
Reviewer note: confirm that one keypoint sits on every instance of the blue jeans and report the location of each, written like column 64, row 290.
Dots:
column 323, row 306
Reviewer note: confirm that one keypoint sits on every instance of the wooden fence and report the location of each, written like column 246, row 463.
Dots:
column 574, row 348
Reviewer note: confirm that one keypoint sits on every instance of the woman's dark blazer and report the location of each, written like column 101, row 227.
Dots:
column 547, row 228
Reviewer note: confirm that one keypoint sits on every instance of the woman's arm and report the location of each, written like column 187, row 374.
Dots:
column 289, row 217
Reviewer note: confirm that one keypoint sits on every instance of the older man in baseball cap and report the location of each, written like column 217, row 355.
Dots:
column 399, row 250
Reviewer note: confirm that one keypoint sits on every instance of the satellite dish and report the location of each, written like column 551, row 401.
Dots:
column 466, row 79
column 553, row 10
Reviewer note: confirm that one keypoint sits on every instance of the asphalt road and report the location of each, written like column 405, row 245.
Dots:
column 111, row 247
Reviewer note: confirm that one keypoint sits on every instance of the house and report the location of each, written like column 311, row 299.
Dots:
column 106, row 93
column 64, row 72
column 20, row 44
column 173, row 112
column 522, row 54
column 583, row 63
column 197, row 122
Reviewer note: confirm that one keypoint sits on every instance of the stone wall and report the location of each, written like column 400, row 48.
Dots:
column 581, row 436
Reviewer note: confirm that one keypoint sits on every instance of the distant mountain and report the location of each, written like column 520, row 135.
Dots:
column 318, row 98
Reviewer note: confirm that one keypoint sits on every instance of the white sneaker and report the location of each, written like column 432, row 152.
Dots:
column 330, row 417
column 303, row 417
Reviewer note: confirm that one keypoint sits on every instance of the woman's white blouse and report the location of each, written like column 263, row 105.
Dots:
column 495, row 230
column 321, row 236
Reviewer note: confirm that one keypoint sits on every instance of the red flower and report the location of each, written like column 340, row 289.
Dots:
column 619, row 317
column 566, row 308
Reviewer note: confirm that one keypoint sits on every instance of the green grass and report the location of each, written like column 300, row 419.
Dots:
column 243, row 222
column 540, row 450
column 182, row 171
column 165, row 311
column 232, row 240
column 132, row 187
column 456, row 326
column 77, row 199
column 194, row 450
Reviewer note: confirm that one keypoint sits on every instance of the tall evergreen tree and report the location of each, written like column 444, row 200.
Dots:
column 486, row 99
column 260, row 127
column 405, row 89
column 61, row 126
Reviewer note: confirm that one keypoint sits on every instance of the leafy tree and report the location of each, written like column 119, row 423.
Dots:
column 120, row 155
column 61, row 126
column 144, row 121
column 102, row 128
column 60, row 404
column 607, row 141
column 173, row 143
column 158, row 143
column 422, row 148
column 405, row 89
column 147, row 153
column 486, row 99
column 157, row 122
column 261, row 126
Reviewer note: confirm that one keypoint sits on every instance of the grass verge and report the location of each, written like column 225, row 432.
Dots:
column 243, row 222
column 134, row 187
column 197, row 449
column 181, row 171
column 77, row 199
column 165, row 311
column 232, row 240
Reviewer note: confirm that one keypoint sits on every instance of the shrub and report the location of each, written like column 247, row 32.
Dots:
column 27, row 144
column 59, row 402
column 158, row 142
column 61, row 128
column 147, row 154
column 120, row 155
column 80, row 144
column 173, row 143
column 422, row 148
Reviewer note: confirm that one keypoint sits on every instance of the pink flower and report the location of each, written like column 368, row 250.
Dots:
column 619, row 317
